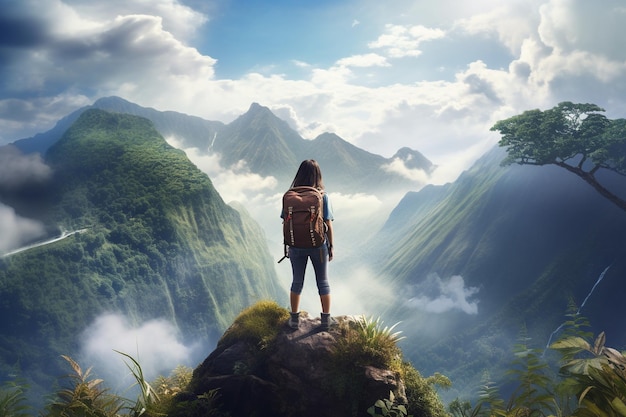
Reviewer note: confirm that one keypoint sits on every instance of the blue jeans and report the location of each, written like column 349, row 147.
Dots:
column 319, row 258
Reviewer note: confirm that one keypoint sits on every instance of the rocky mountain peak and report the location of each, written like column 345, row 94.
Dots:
column 414, row 159
column 256, row 110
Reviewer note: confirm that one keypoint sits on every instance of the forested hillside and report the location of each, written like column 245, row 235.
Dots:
column 153, row 239
column 500, row 250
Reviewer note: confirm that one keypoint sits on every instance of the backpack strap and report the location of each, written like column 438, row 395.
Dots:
column 290, row 220
column 286, row 255
column 312, row 220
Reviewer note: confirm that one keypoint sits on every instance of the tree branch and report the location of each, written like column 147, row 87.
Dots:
column 590, row 179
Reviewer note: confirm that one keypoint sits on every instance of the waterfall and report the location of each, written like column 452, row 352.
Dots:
column 582, row 305
column 63, row 235
column 212, row 141
column 593, row 288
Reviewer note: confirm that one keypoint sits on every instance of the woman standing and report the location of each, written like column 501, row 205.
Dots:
column 310, row 175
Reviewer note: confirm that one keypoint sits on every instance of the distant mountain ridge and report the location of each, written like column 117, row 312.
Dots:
column 267, row 145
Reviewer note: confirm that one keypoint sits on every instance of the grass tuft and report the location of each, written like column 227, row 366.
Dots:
column 259, row 324
column 367, row 342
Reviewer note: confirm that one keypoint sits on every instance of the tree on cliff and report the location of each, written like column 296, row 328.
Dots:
column 575, row 137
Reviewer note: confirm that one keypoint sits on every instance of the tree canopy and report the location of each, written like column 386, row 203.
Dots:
column 573, row 136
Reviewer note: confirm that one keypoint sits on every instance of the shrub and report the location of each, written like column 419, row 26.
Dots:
column 596, row 374
column 388, row 407
column 366, row 342
column 259, row 324
column 84, row 397
column 422, row 398
column 13, row 399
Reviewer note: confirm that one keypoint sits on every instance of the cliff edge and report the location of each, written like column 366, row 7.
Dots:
column 262, row 367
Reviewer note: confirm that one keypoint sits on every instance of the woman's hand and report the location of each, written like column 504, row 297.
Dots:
column 329, row 238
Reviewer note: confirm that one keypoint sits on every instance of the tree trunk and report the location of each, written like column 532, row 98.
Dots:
column 591, row 180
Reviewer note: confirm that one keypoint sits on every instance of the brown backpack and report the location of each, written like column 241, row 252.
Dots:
column 303, row 223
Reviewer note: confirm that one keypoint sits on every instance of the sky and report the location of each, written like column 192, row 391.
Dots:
column 433, row 76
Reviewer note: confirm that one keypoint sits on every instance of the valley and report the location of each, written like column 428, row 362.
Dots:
column 184, row 226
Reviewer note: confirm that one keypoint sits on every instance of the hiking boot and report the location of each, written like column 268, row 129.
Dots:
column 327, row 322
column 294, row 320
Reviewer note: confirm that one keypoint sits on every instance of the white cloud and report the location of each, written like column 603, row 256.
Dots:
column 21, row 118
column 512, row 23
column 109, row 54
column 355, row 290
column 16, row 230
column 436, row 295
column 402, row 41
column 234, row 183
column 180, row 20
column 577, row 25
column 17, row 169
column 360, row 205
column 366, row 60
column 398, row 166
column 557, row 50
column 155, row 344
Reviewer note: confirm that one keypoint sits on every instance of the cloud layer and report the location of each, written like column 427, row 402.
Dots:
column 436, row 295
column 16, row 171
column 155, row 344
column 431, row 77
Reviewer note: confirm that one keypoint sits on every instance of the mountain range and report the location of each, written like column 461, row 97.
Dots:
column 267, row 145
column 471, row 264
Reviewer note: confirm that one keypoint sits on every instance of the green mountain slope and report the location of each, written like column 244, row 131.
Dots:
column 154, row 240
column 525, row 240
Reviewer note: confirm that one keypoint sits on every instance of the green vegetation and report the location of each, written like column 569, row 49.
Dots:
column 527, row 238
column 258, row 324
column 388, row 407
column 84, row 396
column 365, row 342
column 156, row 241
column 591, row 379
column 575, row 137
column 13, row 401
column 597, row 374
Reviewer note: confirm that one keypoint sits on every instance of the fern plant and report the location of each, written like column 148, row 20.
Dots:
column 176, row 382
column 597, row 374
column 534, row 394
column 388, row 408
column 13, row 401
column 84, row 397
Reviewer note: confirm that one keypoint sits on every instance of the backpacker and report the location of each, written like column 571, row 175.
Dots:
column 303, row 223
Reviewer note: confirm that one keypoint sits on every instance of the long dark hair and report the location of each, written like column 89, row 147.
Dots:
column 309, row 174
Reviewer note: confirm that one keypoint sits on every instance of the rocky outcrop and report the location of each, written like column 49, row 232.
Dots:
column 297, row 373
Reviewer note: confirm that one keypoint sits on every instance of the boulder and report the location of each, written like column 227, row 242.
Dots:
column 297, row 373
